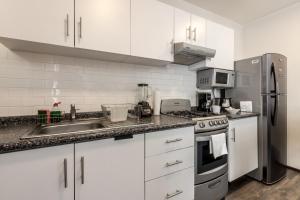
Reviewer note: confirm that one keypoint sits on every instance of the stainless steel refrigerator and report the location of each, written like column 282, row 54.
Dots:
column 263, row 80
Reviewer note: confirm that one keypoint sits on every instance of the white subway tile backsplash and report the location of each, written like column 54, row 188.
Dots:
column 30, row 81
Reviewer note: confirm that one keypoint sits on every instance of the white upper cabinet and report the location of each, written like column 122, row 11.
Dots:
column 152, row 24
column 42, row 21
column 242, row 147
column 198, row 35
column 103, row 25
column 189, row 28
column 110, row 169
column 182, row 26
column 220, row 38
column 40, row 174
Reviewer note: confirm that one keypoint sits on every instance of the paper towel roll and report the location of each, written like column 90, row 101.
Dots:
column 157, row 102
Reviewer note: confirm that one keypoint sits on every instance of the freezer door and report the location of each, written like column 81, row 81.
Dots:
column 274, row 74
column 248, row 83
column 275, row 136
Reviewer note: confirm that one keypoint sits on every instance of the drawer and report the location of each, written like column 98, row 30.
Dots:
column 165, row 141
column 177, row 186
column 161, row 165
column 212, row 190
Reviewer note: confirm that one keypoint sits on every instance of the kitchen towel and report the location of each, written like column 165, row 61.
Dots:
column 219, row 146
column 157, row 102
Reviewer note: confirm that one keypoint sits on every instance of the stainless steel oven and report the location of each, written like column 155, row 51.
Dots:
column 211, row 174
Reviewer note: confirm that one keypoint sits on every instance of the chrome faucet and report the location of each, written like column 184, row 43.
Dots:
column 73, row 112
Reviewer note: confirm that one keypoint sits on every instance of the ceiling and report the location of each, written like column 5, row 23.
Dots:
column 242, row 11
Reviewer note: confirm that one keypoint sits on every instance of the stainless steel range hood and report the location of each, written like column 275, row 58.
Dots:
column 188, row 54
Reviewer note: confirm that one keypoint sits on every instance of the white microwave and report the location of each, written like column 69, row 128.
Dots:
column 215, row 78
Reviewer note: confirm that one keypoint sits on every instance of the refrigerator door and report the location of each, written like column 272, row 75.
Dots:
column 274, row 74
column 275, row 137
column 248, row 83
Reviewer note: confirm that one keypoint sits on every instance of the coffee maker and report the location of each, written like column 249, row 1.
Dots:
column 204, row 101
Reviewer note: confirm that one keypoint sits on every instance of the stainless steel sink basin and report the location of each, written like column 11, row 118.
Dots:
column 67, row 128
column 79, row 127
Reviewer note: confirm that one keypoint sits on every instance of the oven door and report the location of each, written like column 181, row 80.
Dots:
column 206, row 166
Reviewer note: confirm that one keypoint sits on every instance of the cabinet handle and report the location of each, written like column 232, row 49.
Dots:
column 233, row 133
column 66, row 172
column 189, row 33
column 67, row 24
column 82, row 170
column 168, row 164
column 175, row 140
column 80, row 27
column 195, row 34
column 178, row 192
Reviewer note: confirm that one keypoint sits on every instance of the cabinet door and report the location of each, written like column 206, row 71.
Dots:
column 198, row 30
column 103, row 25
column 220, row 38
column 110, row 169
column 183, row 28
column 152, row 28
column 38, row 174
column 44, row 21
column 243, row 147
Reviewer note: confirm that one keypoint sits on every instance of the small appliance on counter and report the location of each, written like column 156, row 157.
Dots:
column 143, row 107
column 204, row 100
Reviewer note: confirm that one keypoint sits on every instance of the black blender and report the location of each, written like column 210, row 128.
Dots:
column 143, row 98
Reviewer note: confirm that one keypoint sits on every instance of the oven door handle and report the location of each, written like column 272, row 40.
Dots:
column 203, row 139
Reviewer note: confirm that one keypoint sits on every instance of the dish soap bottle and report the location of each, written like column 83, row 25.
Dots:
column 56, row 114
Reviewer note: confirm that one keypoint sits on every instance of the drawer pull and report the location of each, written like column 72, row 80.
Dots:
column 174, row 163
column 175, row 140
column 178, row 192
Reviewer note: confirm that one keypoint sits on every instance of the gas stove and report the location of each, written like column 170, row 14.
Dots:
column 205, row 121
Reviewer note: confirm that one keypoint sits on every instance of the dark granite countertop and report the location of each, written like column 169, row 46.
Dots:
column 11, row 133
column 240, row 115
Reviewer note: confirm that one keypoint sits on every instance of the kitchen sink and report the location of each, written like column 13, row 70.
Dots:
column 65, row 128
column 79, row 127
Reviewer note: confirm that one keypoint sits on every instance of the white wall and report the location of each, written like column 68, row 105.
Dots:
column 31, row 81
column 280, row 32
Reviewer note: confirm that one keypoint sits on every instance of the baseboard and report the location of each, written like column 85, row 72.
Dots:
column 292, row 168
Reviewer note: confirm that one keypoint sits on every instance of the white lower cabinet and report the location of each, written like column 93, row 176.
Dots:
column 110, row 169
column 177, row 186
column 242, row 147
column 169, row 170
column 41, row 174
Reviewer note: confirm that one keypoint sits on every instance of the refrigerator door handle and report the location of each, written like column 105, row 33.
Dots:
column 274, row 79
column 274, row 110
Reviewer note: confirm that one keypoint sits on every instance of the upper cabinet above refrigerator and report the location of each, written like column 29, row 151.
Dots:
column 189, row 28
column 220, row 38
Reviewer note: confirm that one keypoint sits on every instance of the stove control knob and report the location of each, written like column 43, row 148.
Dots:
column 211, row 123
column 202, row 125
column 219, row 122
column 215, row 123
column 225, row 121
